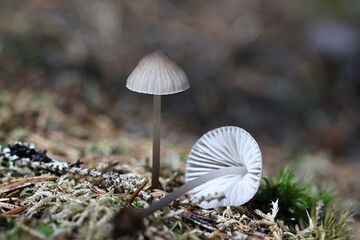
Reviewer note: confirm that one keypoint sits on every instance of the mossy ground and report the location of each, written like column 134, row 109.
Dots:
column 83, row 207
column 72, row 205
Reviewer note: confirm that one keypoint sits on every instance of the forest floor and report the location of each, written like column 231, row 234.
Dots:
column 68, row 206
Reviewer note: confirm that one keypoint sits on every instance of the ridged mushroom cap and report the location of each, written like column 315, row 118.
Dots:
column 221, row 148
column 157, row 74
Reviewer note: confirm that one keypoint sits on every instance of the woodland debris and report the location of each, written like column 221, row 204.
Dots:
column 274, row 233
column 198, row 221
column 8, row 205
column 36, row 179
column 12, row 212
column 136, row 192
column 14, row 186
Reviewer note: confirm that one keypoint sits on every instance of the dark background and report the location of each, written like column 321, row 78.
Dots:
column 287, row 72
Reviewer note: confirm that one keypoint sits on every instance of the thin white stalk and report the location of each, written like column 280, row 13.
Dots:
column 241, row 170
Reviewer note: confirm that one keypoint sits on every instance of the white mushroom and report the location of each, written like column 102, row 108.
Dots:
column 225, row 160
column 234, row 154
column 157, row 74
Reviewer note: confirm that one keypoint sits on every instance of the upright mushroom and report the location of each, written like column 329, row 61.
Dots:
column 157, row 74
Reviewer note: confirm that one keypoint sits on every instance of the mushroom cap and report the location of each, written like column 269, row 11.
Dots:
column 157, row 74
column 220, row 148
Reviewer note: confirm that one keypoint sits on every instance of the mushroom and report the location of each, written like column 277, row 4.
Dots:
column 233, row 158
column 225, row 160
column 157, row 74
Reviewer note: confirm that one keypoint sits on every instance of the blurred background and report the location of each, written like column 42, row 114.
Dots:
column 286, row 71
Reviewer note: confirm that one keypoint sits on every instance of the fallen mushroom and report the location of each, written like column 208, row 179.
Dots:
column 225, row 160
column 157, row 74
column 232, row 152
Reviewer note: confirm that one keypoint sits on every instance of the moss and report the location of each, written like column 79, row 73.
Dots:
column 113, row 200
column 44, row 229
column 333, row 224
column 136, row 203
column 296, row 196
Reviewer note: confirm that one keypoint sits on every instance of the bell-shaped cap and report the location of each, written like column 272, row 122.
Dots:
column 225, row 147
column 157, row 74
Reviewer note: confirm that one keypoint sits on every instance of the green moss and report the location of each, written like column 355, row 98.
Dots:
column 45, row 229
column 136, row 203
column 296, row 196
column 113, row 200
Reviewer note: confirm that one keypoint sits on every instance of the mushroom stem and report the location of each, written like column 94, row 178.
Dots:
column 156, row 141
column 191, row 185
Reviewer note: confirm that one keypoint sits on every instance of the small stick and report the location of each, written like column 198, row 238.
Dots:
column 12, row 212
column 10, row 195
column 58, row 185
column 175, row 174
column 121, row 194
column 147, row 187
column 205, row 218
column 93, row 189
column 276, row 235
column 136, row 192
column 10, row 199
column 198, row 221
column 14, row 186
column 8, row 205
column 298, row 231
column 36, row 179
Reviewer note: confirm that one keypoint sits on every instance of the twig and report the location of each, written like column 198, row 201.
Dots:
column 276, row 235
column 8, row 205
column 93, row 188
column 136, row 192
column 175, row 174
column 193, row 218
column 12, row 212
column 242, row 210
column 36, row 179
column 10, row 199
column 24, row 182
column 298, row 231
column 14, row 193
column 14, row 186
column 58, row 185
column 121, row 194
column 147, row 187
